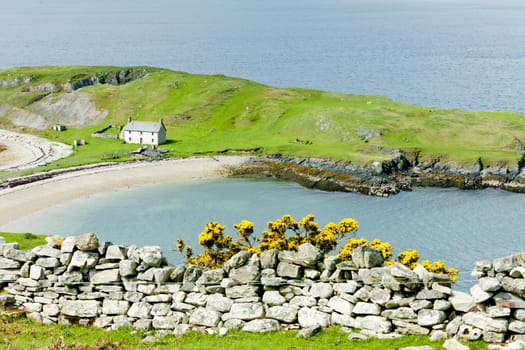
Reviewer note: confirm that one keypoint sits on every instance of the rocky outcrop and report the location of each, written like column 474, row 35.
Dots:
column 400, row 173
column 15, row 82
column 111, row 78
column 81, row 280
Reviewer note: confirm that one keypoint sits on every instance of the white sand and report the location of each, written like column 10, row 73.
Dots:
column 23, row 200
column 26, row 151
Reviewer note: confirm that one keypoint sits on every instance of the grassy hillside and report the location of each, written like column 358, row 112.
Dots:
column 208, row 114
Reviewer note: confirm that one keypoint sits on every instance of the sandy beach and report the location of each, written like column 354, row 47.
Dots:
column 26, row 151
column 23, row 200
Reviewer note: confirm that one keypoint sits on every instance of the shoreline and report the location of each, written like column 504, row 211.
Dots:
column 28, row 198
column 23, row 151
column 24, row 196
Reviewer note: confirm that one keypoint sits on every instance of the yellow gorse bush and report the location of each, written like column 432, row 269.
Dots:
column 409, row 258
column 439, row 267
column 346, row 252
column 286, row 233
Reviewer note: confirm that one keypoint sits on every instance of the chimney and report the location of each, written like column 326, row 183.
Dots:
column 130, row 120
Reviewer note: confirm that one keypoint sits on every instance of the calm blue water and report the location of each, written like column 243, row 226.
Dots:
column 446, row 53
column 457, row 226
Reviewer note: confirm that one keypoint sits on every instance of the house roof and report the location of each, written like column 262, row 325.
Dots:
column 143, row 126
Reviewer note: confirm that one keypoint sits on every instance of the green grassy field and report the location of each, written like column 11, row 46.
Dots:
column 24, row 334
column 208, row 114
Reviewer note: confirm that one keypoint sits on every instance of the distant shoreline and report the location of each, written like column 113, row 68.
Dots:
column 25, row 199
column 25, row 195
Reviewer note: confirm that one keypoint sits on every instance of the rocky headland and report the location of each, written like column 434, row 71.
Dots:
column 401, row 173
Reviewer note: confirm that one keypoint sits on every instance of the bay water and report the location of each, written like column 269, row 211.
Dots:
column 459, row 227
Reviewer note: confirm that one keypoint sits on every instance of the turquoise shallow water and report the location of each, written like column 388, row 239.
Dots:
column 457, row 226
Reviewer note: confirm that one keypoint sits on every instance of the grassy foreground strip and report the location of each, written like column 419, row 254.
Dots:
column 24, row 334
column 210, row 114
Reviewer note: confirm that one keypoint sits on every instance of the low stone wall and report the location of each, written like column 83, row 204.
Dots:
column 80, row 280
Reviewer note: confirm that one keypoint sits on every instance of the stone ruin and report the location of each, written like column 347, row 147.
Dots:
column 82, row 281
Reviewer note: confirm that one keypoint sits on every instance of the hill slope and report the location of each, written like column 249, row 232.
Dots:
column 208, row 114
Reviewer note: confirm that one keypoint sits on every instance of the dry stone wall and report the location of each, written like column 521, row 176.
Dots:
column 104, row 285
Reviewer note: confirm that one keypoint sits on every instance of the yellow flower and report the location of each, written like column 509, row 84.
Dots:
column 409, row 258
column 346, row 252
column 244, row 228
column 348, row 225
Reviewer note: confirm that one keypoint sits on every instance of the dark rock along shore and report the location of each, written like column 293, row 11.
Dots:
column 384, row 178
column 379, row 179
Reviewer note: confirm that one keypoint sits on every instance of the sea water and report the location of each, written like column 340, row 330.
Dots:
column 467, row 54
column 459, row 227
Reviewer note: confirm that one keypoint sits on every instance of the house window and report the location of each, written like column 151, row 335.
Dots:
column 130, row 139
column 152, row 140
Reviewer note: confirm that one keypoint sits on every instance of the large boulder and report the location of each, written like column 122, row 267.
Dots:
column 83, row 260
column 245, row 274
column 211, row 277
column 374, row 323
column 261, row 326
column 273, row 298
column 238, row 260
column 428, row 317
column 87, row 242
column 246, row 311
column 242, row 291
column 106, row 277
column 127, row 268
column 402, row 313
column 116, row 252
column 205, row 317
column 483, row 321
column 321, row 290
column 284, row 313
column 151, row 256
column 139, row 310
column 45, row 250
column 9, row 263
column 310, row 317
column 509, row 300
column 366, row 257
column 489, row 284
column 115, row 307
column 462, row 301
column 168, row 322
column 269, row 259
column 288, row 270
column 307, row 255
column 81, row 308
column 340, row 305
column 362, row 308
column 218, row 302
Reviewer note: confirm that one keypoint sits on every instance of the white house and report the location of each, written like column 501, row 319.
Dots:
column 144, row 133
